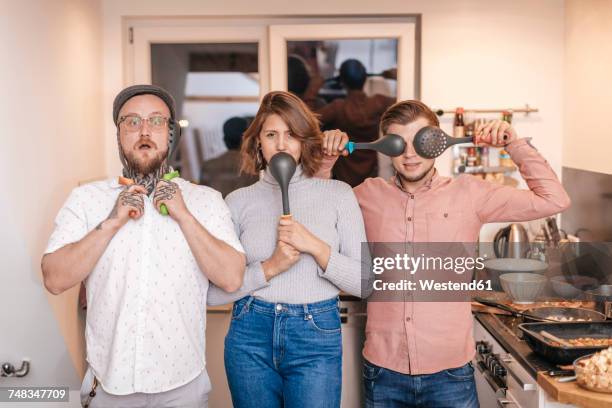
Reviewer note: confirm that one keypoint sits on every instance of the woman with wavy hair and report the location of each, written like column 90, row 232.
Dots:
column 284, row 347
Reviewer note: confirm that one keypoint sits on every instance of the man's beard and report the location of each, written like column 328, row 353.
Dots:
column 143, row 168
column 148, row 173
column 416, row 178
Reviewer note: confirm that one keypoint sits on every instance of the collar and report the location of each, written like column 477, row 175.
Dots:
column 297, row 176
column 425, row 187
column 113, row 182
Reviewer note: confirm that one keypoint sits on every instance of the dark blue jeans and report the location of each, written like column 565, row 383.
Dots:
column 452, row 388
column 284, row 355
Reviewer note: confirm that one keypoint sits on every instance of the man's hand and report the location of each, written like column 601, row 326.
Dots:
column 129, row 204
column 334, row 143
column 497, row 133
column 169, row 193
column 283, row 258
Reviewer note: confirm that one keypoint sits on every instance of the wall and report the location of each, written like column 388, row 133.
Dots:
column 51, row 81
column 588, row 64
column 475, row 53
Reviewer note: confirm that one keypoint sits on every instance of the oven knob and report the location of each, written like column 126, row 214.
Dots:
column 483, row 347
column 498, row 370
column 491, row 360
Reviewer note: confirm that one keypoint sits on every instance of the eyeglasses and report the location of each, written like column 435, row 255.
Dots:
column 134, row 123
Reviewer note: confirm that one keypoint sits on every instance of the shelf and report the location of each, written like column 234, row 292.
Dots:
column 484, row 170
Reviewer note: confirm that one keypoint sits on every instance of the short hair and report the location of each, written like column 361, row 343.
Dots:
column 405, row 112
column 304, row 126
column 353, row 74
column 233, row 128
column 298, row 77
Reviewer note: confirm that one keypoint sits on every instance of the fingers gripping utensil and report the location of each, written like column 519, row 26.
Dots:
column 163, row 209
column 124, row 181
column 282, row 167
column 390, row 145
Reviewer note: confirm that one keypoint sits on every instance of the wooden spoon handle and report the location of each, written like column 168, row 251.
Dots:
column 552, row 337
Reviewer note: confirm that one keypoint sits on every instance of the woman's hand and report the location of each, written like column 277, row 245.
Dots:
column 283, row 258
column 334, row 143
column 299, row 237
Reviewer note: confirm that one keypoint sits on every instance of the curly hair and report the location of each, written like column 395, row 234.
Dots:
column 304, row 126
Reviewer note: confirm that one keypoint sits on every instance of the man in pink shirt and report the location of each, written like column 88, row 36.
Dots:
column 418, row 353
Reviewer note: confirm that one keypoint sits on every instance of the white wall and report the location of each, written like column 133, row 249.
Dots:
column 588, row 79
column 50, row 110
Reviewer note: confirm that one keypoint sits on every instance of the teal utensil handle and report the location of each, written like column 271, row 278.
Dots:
column 350, row 146
column 168, row 176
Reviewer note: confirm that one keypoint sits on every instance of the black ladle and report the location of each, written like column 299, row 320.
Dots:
column 282, row 167
column 390, row 145
column 430, row 142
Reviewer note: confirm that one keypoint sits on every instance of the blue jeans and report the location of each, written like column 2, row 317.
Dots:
column 452, row 388
column 284, row 355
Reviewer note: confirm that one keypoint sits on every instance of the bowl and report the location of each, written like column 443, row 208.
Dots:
column 523, row 287
column 572, row 288
column 499, row 266
column 563, row 288
column 600, row 383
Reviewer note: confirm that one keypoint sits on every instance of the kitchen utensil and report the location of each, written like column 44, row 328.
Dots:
column 498, row 266
column 555, row 235
column 282, row 167
column 563, row 314
column 163, row 209
column 516, row 313
column 563, row 288
column 580, row 376
column 390, row 145
column 552, row 314
column 511, row 242
column 565, row 330
column 552, row 337
column 523, row 287
column 124, row 181
column 430, row 141
column 603, row 299
column 560, row 373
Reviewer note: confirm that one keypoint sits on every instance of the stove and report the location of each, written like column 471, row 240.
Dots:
column 505, row 366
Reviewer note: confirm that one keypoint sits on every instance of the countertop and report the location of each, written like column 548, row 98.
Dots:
column 504, row 330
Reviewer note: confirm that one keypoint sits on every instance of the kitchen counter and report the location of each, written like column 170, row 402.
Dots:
column 505, row 330
column 572, row 393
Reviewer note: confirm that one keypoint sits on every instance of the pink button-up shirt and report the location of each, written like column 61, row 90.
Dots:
column 427, row 337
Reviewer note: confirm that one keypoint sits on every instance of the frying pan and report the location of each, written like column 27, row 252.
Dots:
column 566, row 330
column 547, row 314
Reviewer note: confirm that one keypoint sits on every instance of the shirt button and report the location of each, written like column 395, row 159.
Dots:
column 409, row 218
column 412, row 196
column 407, row 319
column 279, row 307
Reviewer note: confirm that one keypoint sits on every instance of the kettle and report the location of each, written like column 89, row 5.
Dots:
column 511, row 242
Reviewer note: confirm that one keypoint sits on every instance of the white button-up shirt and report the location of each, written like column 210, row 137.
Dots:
column 146, row 296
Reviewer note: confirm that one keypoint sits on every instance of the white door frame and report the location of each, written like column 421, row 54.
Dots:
column 403, row 32
column 143, row 37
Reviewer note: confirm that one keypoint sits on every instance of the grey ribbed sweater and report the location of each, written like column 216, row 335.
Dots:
column 328, row 209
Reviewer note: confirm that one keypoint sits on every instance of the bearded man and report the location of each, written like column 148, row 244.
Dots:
column 146, row 273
